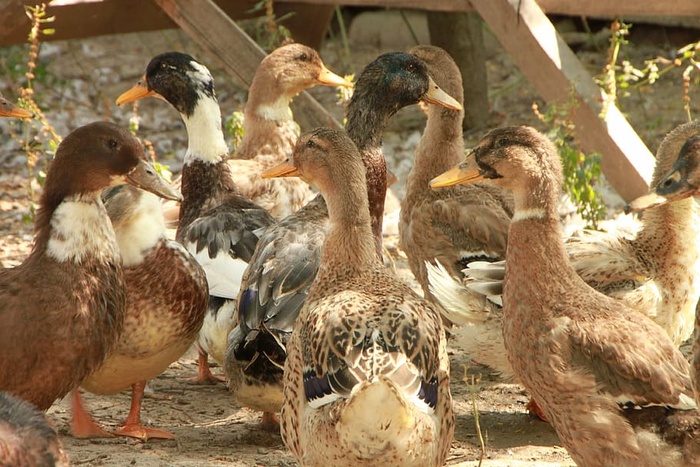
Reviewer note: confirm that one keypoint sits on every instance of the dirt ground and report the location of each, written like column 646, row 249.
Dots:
column 83, row 79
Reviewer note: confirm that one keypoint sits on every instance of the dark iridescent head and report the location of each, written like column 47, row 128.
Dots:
column 176, row 77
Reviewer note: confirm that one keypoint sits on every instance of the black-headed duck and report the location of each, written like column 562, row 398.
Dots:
column 287, row 257
column 218, row 225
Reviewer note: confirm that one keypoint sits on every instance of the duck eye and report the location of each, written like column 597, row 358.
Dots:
column 502, row 142
column 112, row 143
column 311, row 144
column 303, row 57
column 411, row 67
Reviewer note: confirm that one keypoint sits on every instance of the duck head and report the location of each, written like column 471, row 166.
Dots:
column 681, row 182
column 444, row 72
column 97, row 156
column 175, row 77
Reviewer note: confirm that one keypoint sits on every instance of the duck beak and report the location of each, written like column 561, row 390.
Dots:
column 138, row 91
column 144, row 176
column 673, row 187
column 646, row 201
column 8, row 109
column 466, row 172
column 437, row 96
column 285, row 169
column 328, row 78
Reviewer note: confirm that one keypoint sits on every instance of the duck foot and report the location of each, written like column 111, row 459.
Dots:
column 82, row 424
column 135, row 430
column 204, row 374
column 270, row 422
column 534, row 409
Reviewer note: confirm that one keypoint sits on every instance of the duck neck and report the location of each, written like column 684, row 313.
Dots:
column 204, row 185
column 349, row 248
column 142, row 231
column 76, row 230
column 440, row 148
column 535, row 247
column 367, row 120
column 205, row 138
column 267, row 101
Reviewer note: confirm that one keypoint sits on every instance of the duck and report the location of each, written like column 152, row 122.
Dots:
column 62, row 309
column 678, row 184
column 167, row 298
column 287, row 257
column 8, row 109
column 366, row 379
column 27, row 437
column 453, row 226
column 269, row 132
column 656, row 271
column 218, row 225
column 580, row 353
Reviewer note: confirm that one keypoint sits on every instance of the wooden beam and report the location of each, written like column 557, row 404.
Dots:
column 240, row 56
column 553, row 69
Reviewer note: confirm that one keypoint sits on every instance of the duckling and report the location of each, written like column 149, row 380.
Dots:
column 577, row 351
column 456, row 225
column 287, row 257
column 366, row 381
column 218, row 224
column 269, row 132
column 167, row 298
column 27, row 438
column 657, row 271
column 62, row 309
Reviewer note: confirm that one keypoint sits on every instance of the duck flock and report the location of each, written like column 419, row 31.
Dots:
column 275, row 270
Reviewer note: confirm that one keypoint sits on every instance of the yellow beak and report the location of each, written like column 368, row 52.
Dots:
column 138, row 91
column 437, row 96
column 466, row 172
column 328, row 78
column 285, row 169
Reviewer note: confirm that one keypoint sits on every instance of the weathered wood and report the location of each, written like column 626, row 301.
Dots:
column 461, row 35
column 552, row 68
column 212, row 29
column 602, row 8
column 76, row 19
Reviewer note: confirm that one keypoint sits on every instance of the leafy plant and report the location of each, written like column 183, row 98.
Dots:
column 38, row 137
column 268, row 31
column 581, row 171
column 234, row 128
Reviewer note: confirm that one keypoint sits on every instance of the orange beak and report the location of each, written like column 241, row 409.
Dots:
column 328, row 78
column 8, row 109
column 285, row 169
column 138, row 91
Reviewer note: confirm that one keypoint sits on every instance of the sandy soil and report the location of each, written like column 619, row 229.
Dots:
column 86, row 76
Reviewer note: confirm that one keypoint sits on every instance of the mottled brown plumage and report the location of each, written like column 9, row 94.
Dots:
column 576, row 350
column 287, row 257
column 27, row 438
column 366, row 380
column 62, row 309
column 167, row 299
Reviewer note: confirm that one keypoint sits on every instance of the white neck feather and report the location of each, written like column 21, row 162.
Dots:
column 141, row 233
column 205, row 137
column 80, row 228
column 278, row 110
column 531, row 213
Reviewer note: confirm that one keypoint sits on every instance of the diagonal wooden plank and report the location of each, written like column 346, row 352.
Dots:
column 552, row 68
column 212, row 29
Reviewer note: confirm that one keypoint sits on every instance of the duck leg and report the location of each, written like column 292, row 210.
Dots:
column 204, row 374
column 82, row 424
column 534, row 409
column 270, row 422
column 132, row 424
